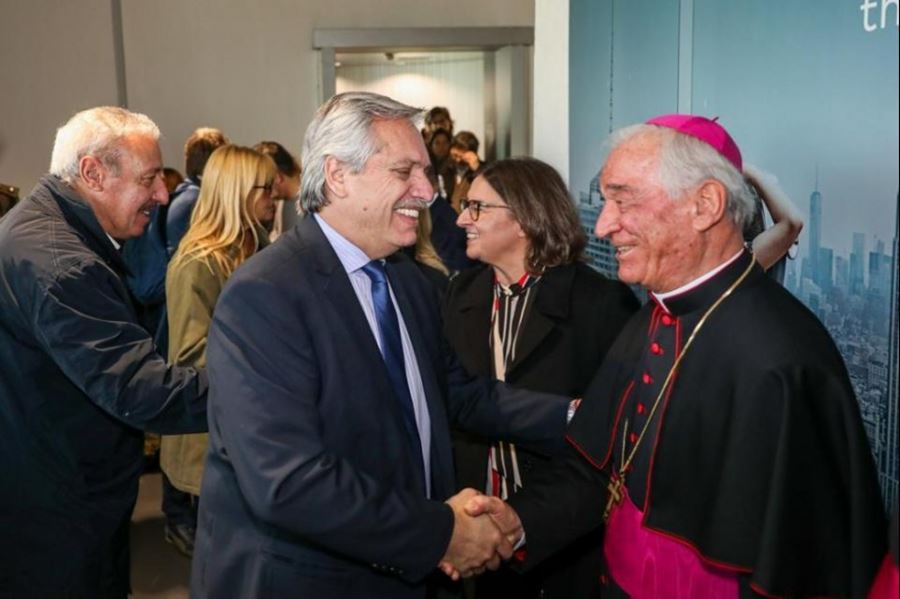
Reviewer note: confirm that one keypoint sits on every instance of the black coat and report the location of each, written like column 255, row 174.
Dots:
column 576, row 315
column 80, row 380
column 761, row 465
column 310, row 489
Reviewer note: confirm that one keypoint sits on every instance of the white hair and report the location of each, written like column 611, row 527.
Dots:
column 685, row 162
column 96, row 132
column 342, row 128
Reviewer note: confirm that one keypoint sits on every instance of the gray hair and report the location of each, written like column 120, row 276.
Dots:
column 96, row 132
column 342, row 128
column 685, row 162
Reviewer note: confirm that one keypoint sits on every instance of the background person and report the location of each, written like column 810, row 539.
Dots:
column 448, row 240
column 287, row 187
column 9, row 197
column 197, row 150
column 173, row 179
column 771, row 245
column 464, row 154
column 436, row 118
column 224, row 231
column 443, row 165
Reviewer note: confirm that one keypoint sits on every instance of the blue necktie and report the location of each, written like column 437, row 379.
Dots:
column 392, row 350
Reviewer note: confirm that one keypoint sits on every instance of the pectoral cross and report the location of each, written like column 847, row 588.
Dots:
column 616, row 482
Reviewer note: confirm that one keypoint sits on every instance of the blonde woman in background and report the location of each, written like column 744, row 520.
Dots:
column 426, row 257
column 225, row 230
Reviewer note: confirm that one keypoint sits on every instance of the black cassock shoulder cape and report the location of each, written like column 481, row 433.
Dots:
column 761, row 465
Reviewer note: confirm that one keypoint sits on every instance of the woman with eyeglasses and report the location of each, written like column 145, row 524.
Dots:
column 226, row 228
column 537, row 317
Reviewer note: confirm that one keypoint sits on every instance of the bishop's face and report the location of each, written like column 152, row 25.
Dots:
column 652, row 233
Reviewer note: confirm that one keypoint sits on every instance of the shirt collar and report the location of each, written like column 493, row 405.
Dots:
column 662, row 298
column 352, row 258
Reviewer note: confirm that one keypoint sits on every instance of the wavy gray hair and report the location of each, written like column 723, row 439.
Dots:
column 342, row 128
column 685, row 162
column 96, row 132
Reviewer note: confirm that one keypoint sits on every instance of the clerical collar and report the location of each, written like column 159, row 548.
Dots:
column 115, row 243
column 704, row 288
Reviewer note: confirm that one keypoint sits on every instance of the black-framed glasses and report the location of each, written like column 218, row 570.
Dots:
column 267, row 187
column 476, row 206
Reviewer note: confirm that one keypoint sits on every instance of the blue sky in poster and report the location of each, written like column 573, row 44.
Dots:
column 801, row 85
column 644, row 67
column 809, row 89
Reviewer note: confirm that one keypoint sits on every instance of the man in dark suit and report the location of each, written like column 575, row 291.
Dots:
column 332, row 390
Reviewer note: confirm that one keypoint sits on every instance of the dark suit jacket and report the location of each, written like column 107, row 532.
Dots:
column 576, row 315
column 309, row 488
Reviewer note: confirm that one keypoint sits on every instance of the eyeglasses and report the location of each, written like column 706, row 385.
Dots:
column 476, row 206
column 267, row 187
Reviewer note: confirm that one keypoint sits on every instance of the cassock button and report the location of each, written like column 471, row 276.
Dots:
column 604, row 580
column 647, row 378
column 633, row 437
column 641, row 409
column 667, row 320
column 656, row 348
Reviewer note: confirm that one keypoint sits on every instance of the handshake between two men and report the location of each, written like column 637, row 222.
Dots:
column 485, row 532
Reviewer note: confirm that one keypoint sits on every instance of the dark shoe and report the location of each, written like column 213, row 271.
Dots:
column 181, row 536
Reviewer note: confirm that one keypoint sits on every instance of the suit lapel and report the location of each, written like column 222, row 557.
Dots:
column 475, row 314
column 551, row 304
column 409, row 299
column 335, row 285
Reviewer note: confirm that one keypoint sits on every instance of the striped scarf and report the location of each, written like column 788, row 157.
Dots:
column 508, row 313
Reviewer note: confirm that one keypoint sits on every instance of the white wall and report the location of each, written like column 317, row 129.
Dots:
column 550, row 121
column 56, row 57
column 512, row 78
column 246, row 66
column 454, row 80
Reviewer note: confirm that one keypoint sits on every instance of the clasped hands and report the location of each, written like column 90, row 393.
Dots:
column 485, row 531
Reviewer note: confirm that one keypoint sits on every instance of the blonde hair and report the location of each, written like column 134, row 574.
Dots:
column 223, row 216
column 425, row 252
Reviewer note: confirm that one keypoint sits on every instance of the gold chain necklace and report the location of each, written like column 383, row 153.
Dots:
column 617, row 480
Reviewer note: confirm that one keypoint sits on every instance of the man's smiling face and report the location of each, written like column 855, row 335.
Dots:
column 652, row 232
column 380, row 212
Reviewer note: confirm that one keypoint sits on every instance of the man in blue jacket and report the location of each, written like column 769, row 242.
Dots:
column 80, row 378
column 197, row 150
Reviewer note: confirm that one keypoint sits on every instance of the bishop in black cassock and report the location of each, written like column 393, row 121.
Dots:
column 730, row 464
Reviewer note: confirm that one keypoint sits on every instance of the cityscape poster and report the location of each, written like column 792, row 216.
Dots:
column 809, row 89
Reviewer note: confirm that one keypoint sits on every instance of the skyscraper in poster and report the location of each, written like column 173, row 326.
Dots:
column 889, row 466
